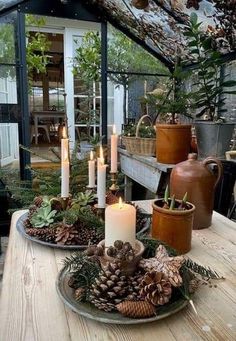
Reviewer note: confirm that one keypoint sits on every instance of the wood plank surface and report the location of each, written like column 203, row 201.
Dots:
column 30, row 309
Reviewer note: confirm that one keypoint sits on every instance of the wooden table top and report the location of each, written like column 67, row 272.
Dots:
column 30, row 309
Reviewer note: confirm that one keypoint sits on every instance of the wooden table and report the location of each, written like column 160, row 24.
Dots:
column 30, row 309
column 144, row 170
column 36, row 115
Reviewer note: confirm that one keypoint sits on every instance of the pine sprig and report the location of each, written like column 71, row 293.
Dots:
column 83, row 269
column 151, row 245
column 204, row 272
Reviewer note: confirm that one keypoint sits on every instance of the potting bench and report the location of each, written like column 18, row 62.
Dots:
column 144, row 170
column 31, row 309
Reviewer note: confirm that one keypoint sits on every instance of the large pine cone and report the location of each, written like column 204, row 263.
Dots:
column 109, row 289
column 87, row 235
column 46, row 234
column 136, row 309
column 66, row 234
column 156, row 288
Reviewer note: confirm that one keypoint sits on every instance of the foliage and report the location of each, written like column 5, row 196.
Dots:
column 144, row 131
column 37, row 46
column 123, row 55
column 173, row 99
column 44, row 216
column 172, row 204
column 7, row 53
column 209, row 96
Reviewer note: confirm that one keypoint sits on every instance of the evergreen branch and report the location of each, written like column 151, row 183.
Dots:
column 204, row 272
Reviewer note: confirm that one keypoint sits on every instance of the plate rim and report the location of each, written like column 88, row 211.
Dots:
column 124, row 321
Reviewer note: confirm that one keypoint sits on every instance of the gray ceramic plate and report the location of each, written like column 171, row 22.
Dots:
column 88, row 310
column 21, row 229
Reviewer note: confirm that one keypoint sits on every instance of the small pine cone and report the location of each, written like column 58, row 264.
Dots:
column 32, row 210
column 38, row 201
column 156, row 288
column 136, row 309
column 40, row 233
column 79, row 292
column 111, row 198
column 27, row 223
column 134, row 287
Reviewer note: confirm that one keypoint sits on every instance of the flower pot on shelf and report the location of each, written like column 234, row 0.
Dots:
column 213, row 138
column 198, row 180
column 173, row 227
column 173, row 142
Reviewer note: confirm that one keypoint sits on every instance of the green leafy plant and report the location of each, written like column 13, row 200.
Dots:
column 172, row 204
column 83, row 199
column 44, row 216
column 211, row 88
column 144, row 131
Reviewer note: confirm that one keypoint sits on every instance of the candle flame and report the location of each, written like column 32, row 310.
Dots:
column 120, row 203
column 64, row 135
column 91, row 155
column 114, row 129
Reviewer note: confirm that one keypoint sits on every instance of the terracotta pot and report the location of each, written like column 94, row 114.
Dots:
column 173, row 142
column 174, row 227
column 198, row 180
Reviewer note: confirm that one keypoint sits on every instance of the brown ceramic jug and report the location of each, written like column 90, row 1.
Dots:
column 198, row 180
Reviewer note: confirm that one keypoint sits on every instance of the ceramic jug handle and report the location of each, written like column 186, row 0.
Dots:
column 210, row 160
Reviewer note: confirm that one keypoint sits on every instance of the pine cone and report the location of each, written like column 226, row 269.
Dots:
column 136, row 309
column 156, row 288
column 134, row 287
column 38, row 201
column 32, row 210
column 109, row 289
column 87, row 235
column 111, row 198
column 27, row 223
column 46, row 234
column 66, row 234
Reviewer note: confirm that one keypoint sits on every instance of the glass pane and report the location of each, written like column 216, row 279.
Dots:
column 7, row 39
column 8, row 88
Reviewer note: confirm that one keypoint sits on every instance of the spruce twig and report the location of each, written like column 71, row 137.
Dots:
column 204, row 272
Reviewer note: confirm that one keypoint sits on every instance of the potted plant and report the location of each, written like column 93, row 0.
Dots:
column 172, row 222
column 213, row 133
column 173, row 139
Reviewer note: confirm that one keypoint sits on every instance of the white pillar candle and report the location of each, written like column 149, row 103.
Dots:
column 91, row 170
column 65, row 165
column 114, row 142
column 120, row 224
column 101, row 181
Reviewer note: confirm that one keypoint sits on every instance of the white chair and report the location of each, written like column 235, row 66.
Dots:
column 40, row 126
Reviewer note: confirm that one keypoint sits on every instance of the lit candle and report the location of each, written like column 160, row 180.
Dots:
column 91, row 169
column 114, row 141
column 101, row 181
column 120, row 223
column 65, row 165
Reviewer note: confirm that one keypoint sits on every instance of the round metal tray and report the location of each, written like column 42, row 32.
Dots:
column 21, row 229
column 87, row 310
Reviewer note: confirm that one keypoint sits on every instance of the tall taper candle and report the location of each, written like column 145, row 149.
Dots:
column 120, row 223
column 101, row 181
column 65, row 165
column 114, row 142
column 91, row 170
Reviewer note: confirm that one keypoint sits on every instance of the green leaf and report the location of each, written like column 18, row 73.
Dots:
column 193, row 18
column 230, row 83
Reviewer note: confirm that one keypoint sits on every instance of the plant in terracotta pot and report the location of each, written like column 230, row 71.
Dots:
column 173, row 139
column 172, row 222
column 213, row 133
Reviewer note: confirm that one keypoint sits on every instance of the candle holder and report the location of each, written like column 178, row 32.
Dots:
column 64, row 202
column 100, row 211
column 114, row 187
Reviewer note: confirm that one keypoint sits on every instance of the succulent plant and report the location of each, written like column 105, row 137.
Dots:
column 84, row 199
column 44, row 216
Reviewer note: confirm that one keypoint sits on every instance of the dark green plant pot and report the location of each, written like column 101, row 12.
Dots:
column 213, row 139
